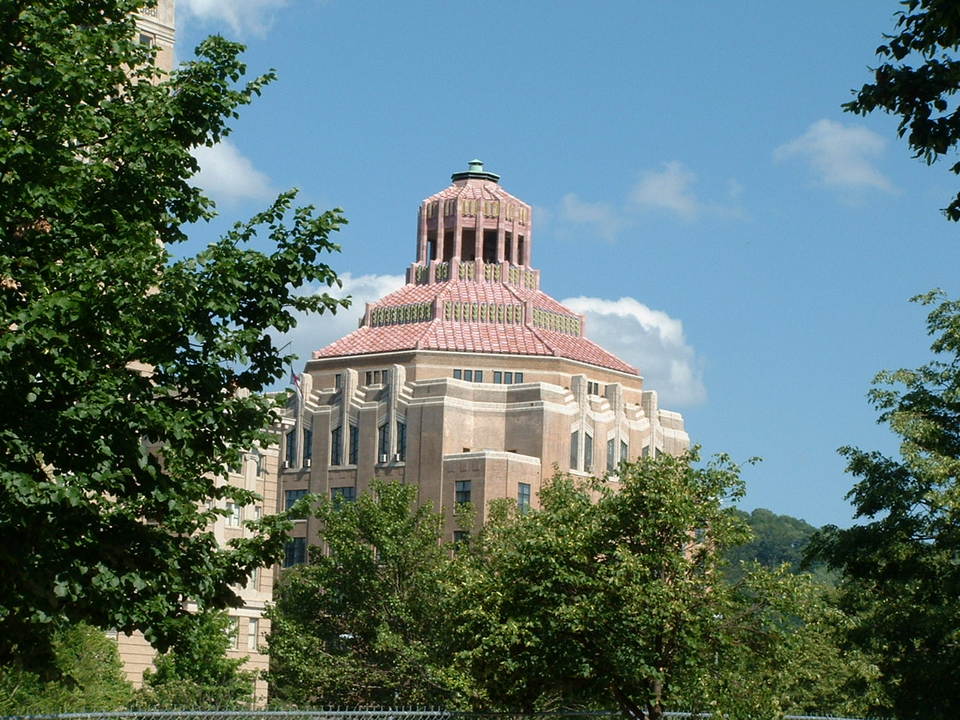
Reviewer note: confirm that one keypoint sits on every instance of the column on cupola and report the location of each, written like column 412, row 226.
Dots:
column 478, row 235
column 514, row 258
column 457, row 229
column 422, row 256
column 501, row 235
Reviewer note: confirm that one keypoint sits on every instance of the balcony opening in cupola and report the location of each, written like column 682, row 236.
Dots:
column 490, row 246
column 468, row 244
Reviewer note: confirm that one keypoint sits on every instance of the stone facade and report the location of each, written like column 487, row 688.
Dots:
column 469, row 382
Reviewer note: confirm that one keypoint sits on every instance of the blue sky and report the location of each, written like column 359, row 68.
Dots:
column 699, row 193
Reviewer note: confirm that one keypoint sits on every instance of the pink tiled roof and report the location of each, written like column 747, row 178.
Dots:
column 467, row 336
column 475, row 189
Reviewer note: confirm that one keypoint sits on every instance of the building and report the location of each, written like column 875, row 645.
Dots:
column 258, row 472
column 469, row 382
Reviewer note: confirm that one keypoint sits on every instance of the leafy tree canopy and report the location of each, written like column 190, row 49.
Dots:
column 602, row 596
column 777, row 540
column 917, row 80
column 360, row 624
column 108, row 344
column 901, row 576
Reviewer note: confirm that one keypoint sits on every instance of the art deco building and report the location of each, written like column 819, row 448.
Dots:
column 469, row 382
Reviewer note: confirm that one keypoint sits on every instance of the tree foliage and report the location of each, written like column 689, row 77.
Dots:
column 195, row 673
column 777, row 539
column 85, row 674
column 108, row 343
column 360, row 624
column 917, row 80
column 900, row 567
column 602, row 596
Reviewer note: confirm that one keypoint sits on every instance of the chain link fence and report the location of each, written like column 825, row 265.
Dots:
column 346, row 714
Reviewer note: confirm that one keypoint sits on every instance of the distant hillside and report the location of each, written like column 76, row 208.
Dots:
column 778, row 539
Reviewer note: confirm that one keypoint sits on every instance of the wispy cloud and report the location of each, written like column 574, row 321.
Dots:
column 316, row 331
column 841, row 157
column 649, row 339
column 227, row 175
column 243, row 16
column 670, row 189
column 604, row 219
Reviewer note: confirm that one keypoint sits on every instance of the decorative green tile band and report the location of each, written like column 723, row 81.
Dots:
column 400, row 314
column 483, row 312
column 556, row 322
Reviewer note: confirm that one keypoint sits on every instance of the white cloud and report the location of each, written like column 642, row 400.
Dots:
column 605, row 220
column 650, row 340
column 316, row 331
column 667, row 189
column 254, row 16
column 840, row 156
column 227, row 175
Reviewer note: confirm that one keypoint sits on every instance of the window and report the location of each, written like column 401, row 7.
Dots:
column 343, row 494
column 377, row 377
column 468, row 375
column 593, row 388
column 645, row 452
column 460, row 537
column 497, row 377
column 291, row 449
column 291, row 497
column 611, row 454
column 518, row 377
column 253, row 581
column 253, row 633
column 336, row 446
column 523, row 497
column 295, row 552
column 354, row 445
column 478, row 375
column 463, row 491
column 338, row 381
column 307, row 447
column 574, row 450
column 624, row 451
column 233, row 632
column 458, row 374
column 401, row 440
column 235, row 515
column 383, row 442
column 146, row 40
column 508, row 378
column 587, row 452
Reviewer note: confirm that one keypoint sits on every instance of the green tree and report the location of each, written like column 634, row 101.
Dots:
column 777, row 539
column 195, row 673
column 359, row 624
column 901, row 575
column 917, row 79
column 603, row 596
column 108, row 343
column 85, row 674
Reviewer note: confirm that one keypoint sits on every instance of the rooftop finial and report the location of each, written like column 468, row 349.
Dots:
column 475, row 170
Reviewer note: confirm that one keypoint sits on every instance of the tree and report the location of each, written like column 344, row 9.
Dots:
column 195, row 673
column 360, row 624
column 85, row 673
column 901, row 576
column 917, row 81
column 131, row 380
column 777, row 539
column 603, row 596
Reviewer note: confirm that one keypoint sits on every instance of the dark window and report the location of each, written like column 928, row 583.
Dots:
column 383, row 441
column 295, row 552
column 478, row 375
column 307, row 447
column 463, row 491
column 574, row 449
column 611, row 454
column 468, row 375
column 490, row 246
column 508, row 378
column 402, row 440
column 291, row 496
column 336, row 446
column 508, row 246
column 518, row 377
column 593, row 388
column 523, row 497
column 645, row 452
column 458, row 374
column 587, row 452
column 354, row 444
column 497, row 376
column 468, row 245
column 624, row 451
column 432, row 245
column 343, row 494
column 460, row 538
column 338, row 381
column 521, row 250
column 146, row 40
column 291, row 451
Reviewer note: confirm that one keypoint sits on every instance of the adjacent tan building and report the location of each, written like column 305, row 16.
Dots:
column 469, row 382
